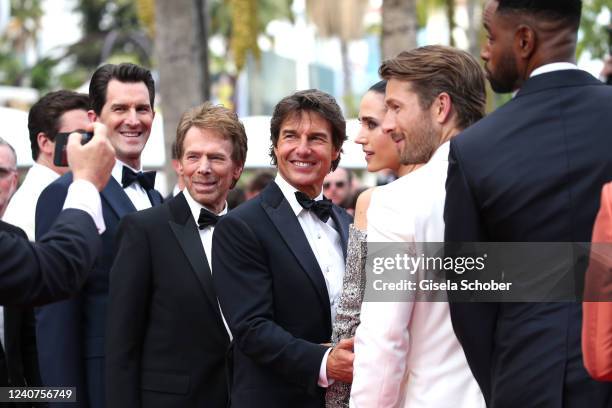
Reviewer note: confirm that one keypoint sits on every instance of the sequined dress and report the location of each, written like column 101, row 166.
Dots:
column 349, row 307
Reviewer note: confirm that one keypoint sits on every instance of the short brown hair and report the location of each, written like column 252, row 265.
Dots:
column 44, row 116
column 311, row 100
column 124, row 72
column 434, row 69
column 217, row 118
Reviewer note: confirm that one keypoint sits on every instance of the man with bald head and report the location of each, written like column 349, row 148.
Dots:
column 531, row 172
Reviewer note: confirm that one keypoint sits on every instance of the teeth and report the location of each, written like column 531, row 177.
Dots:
column 130, row 134
column 301, row 164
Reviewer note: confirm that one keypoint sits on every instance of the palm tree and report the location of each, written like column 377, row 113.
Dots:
column 342, row 19
column 399, row 26
column 183, row 76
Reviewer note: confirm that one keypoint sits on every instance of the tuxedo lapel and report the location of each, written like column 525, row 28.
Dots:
column 154, row 197
column 288, row 226
column 342, row 228
column 117, row 199
column 186, row 232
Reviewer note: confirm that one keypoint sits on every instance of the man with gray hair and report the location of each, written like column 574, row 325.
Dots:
column 18, row 358
column 8, row 174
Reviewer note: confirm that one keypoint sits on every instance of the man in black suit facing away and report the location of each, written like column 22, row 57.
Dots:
column 18, row 358
column 278, row 262
column 531, row 171
column 167, row 342
column 71, row 334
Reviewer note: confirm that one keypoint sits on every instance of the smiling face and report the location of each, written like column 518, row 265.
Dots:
column 305, row 151
column 380, row 150
column 128, row 115
column 207, row 168
column 501, row 64
column 408, row 125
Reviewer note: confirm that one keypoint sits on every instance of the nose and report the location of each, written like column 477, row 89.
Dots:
column 361, row 138
column 484, row 53
column 388, row 123
column 204, row 166
column 132, row 118
column 303, row 147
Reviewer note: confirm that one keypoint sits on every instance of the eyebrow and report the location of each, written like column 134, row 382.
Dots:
column 370, row 118
column 391, row 100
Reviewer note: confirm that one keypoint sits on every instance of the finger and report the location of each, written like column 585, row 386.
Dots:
column 74, row 139
column 99, row 130
column 346, row 344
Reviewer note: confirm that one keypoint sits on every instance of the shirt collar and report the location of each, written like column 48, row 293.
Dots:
column 555, row 66
column 195, row 207
column 117, row 171
column 441, row 153
column 289, row 192
column 41, row 170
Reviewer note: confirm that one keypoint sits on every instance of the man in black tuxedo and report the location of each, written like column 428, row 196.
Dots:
column 531, row 172
column 167, row 341
column 18, row 358
column 278, row 262
column 71, row 334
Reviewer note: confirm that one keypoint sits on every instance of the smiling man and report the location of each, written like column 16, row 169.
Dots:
column 161, row 291
column 278, row 263
column 70, row 334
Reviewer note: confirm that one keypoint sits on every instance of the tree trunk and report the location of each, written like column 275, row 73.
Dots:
column 399, row 27
column 474, row 26
column 181, row 47
column 347, row 83
column 450, row 15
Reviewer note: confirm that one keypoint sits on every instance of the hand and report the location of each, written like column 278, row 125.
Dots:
column 340, row 361
column 93, row 161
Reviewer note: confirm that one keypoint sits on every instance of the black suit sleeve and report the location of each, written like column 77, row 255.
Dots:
column 243, row 283
column 461, row 213
column 130, row 279
column 474, row 323
column 53, row 269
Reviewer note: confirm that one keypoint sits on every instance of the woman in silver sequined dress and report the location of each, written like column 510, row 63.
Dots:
column 380, row 153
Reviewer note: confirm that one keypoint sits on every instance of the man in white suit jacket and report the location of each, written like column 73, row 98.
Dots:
column 406, row 353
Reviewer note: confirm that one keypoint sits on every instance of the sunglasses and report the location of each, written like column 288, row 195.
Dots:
column 337, row 184
column 6, row 171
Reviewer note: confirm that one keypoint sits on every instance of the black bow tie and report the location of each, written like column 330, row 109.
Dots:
column 145, row 179
column 207, row 219
column 321, row 208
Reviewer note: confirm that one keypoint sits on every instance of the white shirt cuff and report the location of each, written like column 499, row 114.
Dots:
column 323, row 382
column 83, row 195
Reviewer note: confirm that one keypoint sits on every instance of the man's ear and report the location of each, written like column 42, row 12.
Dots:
column 14, row 183
column 92, row 115
column 236, row 173
column 525, row 41
column 45, row 144
column 441, row 108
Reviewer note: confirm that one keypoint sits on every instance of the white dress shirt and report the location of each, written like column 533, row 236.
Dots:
column 21, row 210
column 83, row 195
column 406, row 353
column 555, row 66
column 206, row 235
column 326, row 245
column 137, row 195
